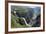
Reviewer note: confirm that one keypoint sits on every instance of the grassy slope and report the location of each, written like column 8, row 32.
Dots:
column 14, row 24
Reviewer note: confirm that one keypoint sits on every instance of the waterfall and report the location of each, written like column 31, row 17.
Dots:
column 25, row 21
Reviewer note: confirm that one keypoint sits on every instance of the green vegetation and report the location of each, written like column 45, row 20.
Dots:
column 27, row 13
column 15, row 24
